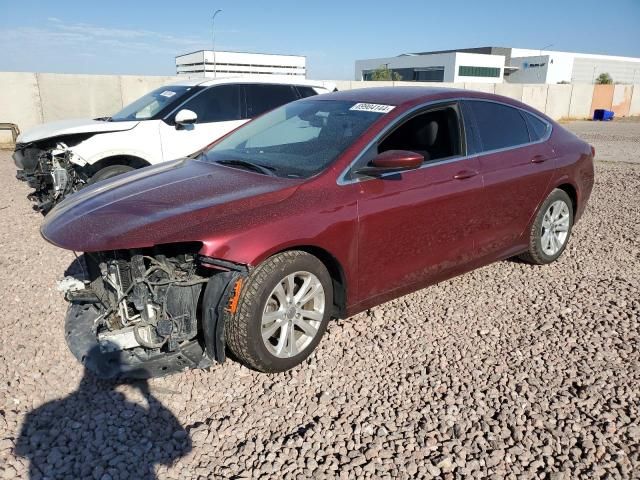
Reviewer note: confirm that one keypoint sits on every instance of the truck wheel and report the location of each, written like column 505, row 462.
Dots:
column 109, row 172
column 282, row 312
column 551, row 229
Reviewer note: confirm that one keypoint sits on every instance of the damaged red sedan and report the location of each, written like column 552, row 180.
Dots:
column 319, row 209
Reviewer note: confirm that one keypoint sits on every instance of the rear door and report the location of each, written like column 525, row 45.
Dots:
column 219, row 109
column 261, row 98
column 516, row 164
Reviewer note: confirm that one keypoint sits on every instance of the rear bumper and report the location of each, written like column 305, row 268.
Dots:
column 82, row 341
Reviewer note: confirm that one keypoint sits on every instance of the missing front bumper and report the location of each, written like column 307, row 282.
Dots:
column 81, row 338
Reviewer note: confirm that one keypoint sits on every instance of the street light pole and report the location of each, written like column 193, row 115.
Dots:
column 213, row 41
column 539, row 61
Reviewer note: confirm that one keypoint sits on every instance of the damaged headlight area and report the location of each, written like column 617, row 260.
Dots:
column 49, row 170
column 146, row 313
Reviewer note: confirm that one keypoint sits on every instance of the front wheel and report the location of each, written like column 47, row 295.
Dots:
column 109, row 172
column 283, row 312
column 551, row 229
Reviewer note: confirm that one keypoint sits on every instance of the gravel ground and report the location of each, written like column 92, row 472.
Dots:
column 509, row 371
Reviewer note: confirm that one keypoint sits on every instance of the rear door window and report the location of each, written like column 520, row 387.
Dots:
column 216, row 104
column 498, row 125
column 262, row 98
column 537, row 128
column 305, row 92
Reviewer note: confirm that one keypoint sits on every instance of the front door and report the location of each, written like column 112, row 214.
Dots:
column 219, row 110
column 418, row 227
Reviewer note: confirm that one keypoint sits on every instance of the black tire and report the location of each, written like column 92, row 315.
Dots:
column 243, row 329
column 536, row 254
column 109, row 172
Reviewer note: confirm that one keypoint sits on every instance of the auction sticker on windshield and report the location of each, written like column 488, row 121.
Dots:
column 372, row 107
column 168, row 93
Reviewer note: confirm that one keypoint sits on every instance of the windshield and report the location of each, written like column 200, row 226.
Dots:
column 296, row 140
column 151, row 104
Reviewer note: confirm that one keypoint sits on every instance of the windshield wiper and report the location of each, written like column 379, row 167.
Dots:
column 264, row 169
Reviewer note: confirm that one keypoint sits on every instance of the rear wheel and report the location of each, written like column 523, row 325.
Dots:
column 283, row 312
column 551, row 229
column 109, row 172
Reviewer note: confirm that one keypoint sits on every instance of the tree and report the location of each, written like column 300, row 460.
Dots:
column 384, row 74
column 604, row 79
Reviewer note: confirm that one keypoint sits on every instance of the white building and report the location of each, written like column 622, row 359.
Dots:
column 548, row 66
column 437, row 67
column 219, row 64
column 515, row 65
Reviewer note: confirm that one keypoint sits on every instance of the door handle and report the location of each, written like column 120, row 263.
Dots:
column 538, row 159
column 463, row 174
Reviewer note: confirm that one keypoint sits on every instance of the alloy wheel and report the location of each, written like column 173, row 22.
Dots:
column 293, row 314
column 555, row 227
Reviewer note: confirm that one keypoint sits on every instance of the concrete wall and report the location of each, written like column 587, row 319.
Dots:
column 509, row 90
column 133, row 87
column 634, row 108
column 621, row 102
column 28, row 99
column 580, row 105
column 69, row 96
column 20, row 99
column 558, row 101
column 535, row 95
column 602, row 97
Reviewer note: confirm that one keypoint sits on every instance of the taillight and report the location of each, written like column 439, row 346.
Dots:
column 593, row 151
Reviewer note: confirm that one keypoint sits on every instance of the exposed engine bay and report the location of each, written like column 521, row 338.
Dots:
column 148, row 312
column 50, row 171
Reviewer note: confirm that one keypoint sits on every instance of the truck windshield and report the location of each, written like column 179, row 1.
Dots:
column 152, row 103
column 296, row 140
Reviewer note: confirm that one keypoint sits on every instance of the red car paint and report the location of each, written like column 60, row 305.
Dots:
column 386, row 237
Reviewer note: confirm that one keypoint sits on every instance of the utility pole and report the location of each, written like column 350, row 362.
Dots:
column 213, row 41
column 540, row 61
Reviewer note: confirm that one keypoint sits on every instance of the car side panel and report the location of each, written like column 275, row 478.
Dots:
column 417, row 226
column 314, row 216
column 574, row 166
column 514, row 187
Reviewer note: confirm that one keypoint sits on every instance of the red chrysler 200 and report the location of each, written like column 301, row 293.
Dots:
column 319, row 209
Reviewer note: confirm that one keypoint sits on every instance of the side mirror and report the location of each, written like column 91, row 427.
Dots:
column 392, row 161
column 185, row 117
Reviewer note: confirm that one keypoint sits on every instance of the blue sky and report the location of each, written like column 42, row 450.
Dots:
column 142, row 37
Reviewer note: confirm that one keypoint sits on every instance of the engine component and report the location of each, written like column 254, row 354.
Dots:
column 70, row 284
column 149, row 302
column 143, row 313
column 50, row 172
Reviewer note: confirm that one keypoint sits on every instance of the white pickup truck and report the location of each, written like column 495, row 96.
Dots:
column 59, row 158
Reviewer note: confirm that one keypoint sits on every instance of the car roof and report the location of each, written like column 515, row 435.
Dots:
column 207, row 82
column 410, row 96
column 394, row 95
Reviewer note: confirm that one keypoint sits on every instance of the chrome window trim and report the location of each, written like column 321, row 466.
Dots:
column 167, row 118
column 342, row 180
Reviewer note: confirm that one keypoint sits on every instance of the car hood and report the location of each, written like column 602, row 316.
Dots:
column 72, row 127
column 177, row 201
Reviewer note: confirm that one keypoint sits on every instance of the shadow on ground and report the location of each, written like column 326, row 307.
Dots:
column 96, row 432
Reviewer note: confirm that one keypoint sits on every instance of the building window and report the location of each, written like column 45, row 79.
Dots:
column 465, row 71
column 428, row 74
column 418, row 74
